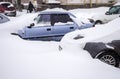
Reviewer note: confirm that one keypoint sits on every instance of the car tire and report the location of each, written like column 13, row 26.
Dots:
column 109, row 57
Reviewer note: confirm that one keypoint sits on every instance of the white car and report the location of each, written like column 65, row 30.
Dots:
column 105, row 34
column 112, row 13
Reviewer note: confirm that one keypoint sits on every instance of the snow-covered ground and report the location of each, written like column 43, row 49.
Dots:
column 25, row 59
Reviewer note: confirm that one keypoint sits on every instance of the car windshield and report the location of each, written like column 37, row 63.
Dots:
column 114, row 10
column 5, row 5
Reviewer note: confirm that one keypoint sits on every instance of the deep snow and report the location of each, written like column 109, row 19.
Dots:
column 25, row 59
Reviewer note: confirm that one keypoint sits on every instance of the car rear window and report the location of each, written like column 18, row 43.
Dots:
column 5, row 5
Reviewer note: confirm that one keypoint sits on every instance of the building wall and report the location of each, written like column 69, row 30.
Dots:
column 6, row 0
column 82, row 1
column 65, row 2
column 118, row 0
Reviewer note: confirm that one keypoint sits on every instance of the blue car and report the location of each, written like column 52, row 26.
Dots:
column 51, row 25
column 3, row 18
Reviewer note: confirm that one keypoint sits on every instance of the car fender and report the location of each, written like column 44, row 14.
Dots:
column 95, row 48
column 103, row 18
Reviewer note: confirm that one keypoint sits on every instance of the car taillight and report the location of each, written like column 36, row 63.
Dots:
column 1, row 9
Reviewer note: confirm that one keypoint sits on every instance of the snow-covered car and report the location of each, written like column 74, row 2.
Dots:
column 112, row 13
column 103, row 33
column 3, row 18
column 7, row 8
column 51, row 25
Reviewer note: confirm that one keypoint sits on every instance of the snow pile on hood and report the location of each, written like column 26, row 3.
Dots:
column 56, row 9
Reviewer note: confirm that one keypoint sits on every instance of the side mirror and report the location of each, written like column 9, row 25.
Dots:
column 31, row 25
column 107, row 13
column 35, row 19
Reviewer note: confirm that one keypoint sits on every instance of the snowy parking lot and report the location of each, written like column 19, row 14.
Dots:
column 26, row 59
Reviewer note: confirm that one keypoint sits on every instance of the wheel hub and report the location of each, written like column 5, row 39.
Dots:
column 108, row 59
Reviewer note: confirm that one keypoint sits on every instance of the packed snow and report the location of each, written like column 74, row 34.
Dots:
column 25, row 59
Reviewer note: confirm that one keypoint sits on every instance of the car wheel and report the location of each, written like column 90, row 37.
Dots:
column 109, row 57
column 98, row 22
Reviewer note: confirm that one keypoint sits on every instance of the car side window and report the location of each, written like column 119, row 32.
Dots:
column 5, row 4
column 43, row 20
column 61, row 19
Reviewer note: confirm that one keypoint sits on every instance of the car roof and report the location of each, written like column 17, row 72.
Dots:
column 54, row 12
column 4, row 2
column 57, row 12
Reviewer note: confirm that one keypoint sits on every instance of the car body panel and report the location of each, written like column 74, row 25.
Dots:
column 38, row 31
column 3, row 18
column 95, row 48
column 63, row 29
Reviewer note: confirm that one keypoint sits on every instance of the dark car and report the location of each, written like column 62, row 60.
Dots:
column 3, row 18
column 108, row 53
column 7, row 8
column 51, row 25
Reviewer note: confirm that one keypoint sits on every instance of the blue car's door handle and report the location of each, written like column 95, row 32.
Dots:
column 71, row 27
column 48, row 29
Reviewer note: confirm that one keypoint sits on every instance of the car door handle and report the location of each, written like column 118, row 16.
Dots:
column 48, row 29
column 71, row 27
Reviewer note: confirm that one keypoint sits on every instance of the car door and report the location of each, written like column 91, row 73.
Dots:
column 62, row 24
column 42, row 29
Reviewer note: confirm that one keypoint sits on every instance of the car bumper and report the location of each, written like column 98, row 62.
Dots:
column 10, row 13
column 21, row 34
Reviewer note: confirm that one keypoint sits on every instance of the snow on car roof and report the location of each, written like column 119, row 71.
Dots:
column 53, row 11
column 56, row 11
column 7, row 3
column 4, row 2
